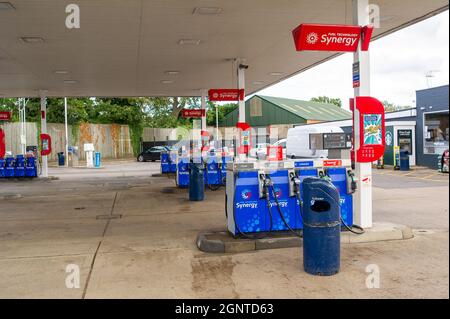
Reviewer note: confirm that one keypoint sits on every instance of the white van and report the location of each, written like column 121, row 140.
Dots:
column 297, row 145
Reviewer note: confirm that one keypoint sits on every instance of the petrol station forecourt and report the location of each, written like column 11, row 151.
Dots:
column 223, row 224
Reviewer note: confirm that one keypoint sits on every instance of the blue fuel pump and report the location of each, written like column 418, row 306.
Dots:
column 2, row 168
column 31, row 167
column 19, row 166
column 9, row 167
column 182, row 177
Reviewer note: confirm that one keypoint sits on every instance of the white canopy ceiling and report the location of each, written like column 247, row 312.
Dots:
column 126, row 47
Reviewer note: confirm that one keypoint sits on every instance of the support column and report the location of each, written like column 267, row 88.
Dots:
column 203, row 107
column 43, row 95
column 67, row 132
column 241, row 86
column 362, row 204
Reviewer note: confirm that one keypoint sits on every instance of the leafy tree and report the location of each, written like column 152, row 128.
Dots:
column 223, row 110
column 327, row 100
column 391, row 107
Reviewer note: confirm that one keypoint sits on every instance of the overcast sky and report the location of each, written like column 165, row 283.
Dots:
column 399, row 63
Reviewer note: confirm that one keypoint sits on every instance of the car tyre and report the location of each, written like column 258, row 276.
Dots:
column 141, row 158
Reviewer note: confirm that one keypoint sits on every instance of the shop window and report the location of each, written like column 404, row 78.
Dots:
column 255, row 107
column 435, row 132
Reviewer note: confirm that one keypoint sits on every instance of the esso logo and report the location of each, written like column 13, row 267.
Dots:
column 312, row 38
column 246, row 194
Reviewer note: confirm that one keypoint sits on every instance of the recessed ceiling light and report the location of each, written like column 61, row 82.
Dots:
column 61, row 72
column 189, row 42
column 32, row 40
column 6, row 6
column 172, row 72
column 207, row 10
column 258, row 82
column 167, row 81
column 70, row 81
column 276, row 73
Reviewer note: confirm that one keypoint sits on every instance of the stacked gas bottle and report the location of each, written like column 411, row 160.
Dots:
column 18, row 167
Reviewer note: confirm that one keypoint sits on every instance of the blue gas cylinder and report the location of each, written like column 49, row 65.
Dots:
column 19, row 167
column 9, row 167
column 30, row 167
column 321, row 227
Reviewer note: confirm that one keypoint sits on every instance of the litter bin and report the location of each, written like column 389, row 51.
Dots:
column 321, row 227
column 97, row 159
column 404, row 160
column 61, row 159
column 196, row 182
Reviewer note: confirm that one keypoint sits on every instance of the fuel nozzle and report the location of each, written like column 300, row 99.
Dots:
column 353, row 185
column 264, row 183
column 295, row 182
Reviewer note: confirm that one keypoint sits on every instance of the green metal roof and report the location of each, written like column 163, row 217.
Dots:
column 309, row 110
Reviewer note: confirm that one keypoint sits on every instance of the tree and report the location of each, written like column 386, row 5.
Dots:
column 391, row 107
column 327, row 100
column 223, row 110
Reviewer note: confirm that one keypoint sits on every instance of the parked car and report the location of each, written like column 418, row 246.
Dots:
column 152, row 154
column 259, row 151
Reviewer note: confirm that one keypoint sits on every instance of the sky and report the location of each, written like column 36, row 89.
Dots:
column 399, row 63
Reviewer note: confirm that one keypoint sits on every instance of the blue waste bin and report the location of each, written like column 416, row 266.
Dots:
column 19, row 166
column 321, row 227
column 98, row 159
column 404, row 160
column 196, row 182
column 61, row 159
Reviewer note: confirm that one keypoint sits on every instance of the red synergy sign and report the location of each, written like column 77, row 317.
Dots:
column 5, row 116
column 226, row 95
column 372, row 129
column 325, row 37
column 193, row 113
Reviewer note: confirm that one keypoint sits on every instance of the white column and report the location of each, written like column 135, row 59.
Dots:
column 362, row 204
column 203, row 107
column 241, row 86
column 43, row 95
column 67, row 132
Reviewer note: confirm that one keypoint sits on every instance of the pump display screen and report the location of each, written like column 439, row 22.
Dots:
column 373, row 134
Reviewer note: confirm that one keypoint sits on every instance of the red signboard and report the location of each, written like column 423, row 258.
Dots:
column 226, row 95
column 5, row 116
column 327, row 37
column 193, row 113
column 2, row 144
column 372, row 129
column 331, row 163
